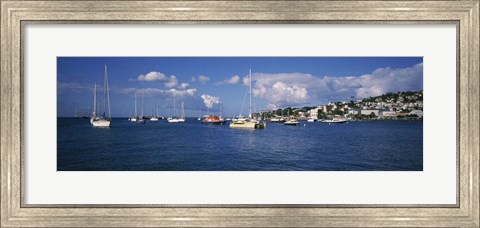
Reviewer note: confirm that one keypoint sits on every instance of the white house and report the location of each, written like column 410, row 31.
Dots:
column 369, row 111
column 389, row 114
column 314, row 112
column 353, row 111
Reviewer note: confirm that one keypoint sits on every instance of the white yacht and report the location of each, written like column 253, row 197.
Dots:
column 292, row 122
column 336, row 120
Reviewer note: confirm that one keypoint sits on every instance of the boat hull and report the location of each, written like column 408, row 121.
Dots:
column 335, row 121
column 100, row 123
column 247, row 125
column 176, row 120
column 214, row 122
column 291, row 124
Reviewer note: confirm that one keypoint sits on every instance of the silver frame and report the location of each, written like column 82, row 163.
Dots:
column 16, row 14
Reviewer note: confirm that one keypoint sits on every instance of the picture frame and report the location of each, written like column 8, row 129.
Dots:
column 465, row 14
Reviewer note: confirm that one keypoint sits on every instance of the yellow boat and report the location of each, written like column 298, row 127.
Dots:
column 253, row 124
column 250, row 123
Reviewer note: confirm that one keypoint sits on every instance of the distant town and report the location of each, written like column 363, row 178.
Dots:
column 389, row 106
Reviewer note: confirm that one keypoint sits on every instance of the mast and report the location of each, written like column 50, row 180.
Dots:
column 136, row 104
column 95, row 100
column 174, row 107
column 105, row 92
column 250, row 93
column 108, row 92
column 143, row 94
column 183, row 111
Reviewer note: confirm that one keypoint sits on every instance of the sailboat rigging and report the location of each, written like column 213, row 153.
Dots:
column 250, row 122
column 176, row 119
column 101, row 120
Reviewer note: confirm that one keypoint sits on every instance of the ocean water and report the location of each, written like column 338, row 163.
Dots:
column 192, row 146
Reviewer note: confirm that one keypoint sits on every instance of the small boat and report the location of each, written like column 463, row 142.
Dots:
column 101, row 120
column 277, row 120
column 312, row 120
column 292, row 122
column 132, row 119
column 175, row 120
column 211, row 119
column 336, row 120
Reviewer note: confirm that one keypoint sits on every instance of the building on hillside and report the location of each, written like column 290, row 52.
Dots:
column 389, row 114
column 419, row 113
column 370, row 111
column 314, row 112
column 352, row 111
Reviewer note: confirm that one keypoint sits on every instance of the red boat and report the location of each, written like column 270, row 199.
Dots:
column 212, row 120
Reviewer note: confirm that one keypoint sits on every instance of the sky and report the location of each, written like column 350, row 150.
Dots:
column 216, row 84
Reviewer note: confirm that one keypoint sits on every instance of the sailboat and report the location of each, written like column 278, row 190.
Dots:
column 141, row 119
column 248, row 123
column 155, row 118
column 176, row 119
column 101, row 120
column 135, row 117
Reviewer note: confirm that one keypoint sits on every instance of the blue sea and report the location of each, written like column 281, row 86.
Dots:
column 192, row 146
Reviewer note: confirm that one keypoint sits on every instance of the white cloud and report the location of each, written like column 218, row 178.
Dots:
column 168, row 81
column 189, row 92
column 232, row 80
column 155, row 91
column 297, row 88
column 152, row 76
column 209, row 100
column 171, row 82
column 203, row 79
column 183, row 86
column 246, row 80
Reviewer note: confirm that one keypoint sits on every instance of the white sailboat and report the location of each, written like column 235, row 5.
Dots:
column 141, row 119
column 177, row 119
column 135, row 117
column 102, row 120
column 155, row 118
column 250, row 122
